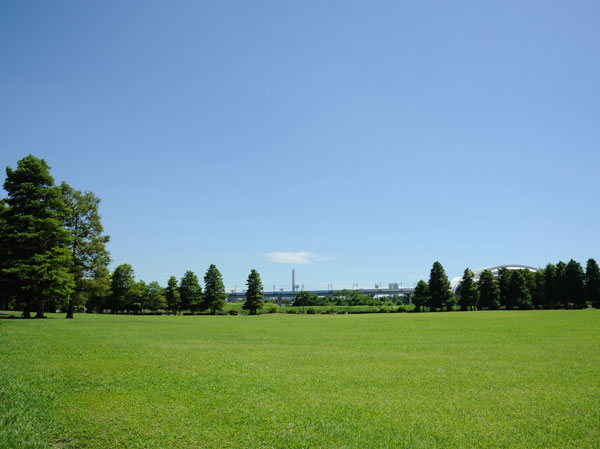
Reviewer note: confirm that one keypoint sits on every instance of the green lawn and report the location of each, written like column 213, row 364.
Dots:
column 526, row 379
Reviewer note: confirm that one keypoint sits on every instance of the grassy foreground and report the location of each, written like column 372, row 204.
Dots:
column 526, row 379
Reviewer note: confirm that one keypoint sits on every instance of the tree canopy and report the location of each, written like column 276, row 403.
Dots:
column 37, row 261
column 489, row 292
column 172, row 295
column 254, row 293
column 214, row 290
column 592, row 283
column 190, row 292
column 420, row 297
column 440, row 294
column 467, row 297
column 88, row 245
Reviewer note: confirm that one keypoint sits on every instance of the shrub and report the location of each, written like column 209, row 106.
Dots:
column 233, row 311
column 293, row 310
column 384, row 309
column 311, row 311
column 401, row 309
column 273, row 309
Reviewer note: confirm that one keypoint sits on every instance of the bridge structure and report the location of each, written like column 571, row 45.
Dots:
column 282, row 295
column 457, row 281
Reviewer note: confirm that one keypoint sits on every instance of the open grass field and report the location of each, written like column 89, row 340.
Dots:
column 522, row 379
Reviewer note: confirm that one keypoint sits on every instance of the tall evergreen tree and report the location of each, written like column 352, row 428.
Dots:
column 88, row 245
column 550, row 298
column 504, row 275
column 420, row 296
column 537, row 296
column 592, row 283
column 214, row 290
column 467, row 296
column 439, row 288
column 530, row 283
column 122, row 282
column 36, row 257
column 254, row 293
column 5, row 295
column 574, row 284
column 562, row 295
column 489, row 292
column 172, row 295
column 190, row 292
column 518, row 293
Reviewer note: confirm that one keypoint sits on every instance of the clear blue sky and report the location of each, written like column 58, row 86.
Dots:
column 375, row 136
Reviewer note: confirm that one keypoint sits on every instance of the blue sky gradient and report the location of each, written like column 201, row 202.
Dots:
column 375, row 136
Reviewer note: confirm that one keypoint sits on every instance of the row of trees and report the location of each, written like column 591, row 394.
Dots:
column 52, row 247
column 125, row 295
column 564, row 285
column 53, row 255
column 340, row 298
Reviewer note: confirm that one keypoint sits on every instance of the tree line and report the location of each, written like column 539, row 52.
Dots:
column 561, row 285
column 342, row 298
column 124, row 295
column 53, row 255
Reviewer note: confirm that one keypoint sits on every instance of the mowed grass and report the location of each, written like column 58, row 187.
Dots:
column 522, row 379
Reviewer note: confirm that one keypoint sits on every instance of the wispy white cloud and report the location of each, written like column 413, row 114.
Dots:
column 294, row 257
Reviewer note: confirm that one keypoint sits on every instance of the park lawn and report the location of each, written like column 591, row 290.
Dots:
column 503, row 379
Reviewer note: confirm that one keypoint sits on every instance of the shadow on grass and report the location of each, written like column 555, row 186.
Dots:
column 17, row 315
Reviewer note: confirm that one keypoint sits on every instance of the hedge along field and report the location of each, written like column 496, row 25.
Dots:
column 509, row 379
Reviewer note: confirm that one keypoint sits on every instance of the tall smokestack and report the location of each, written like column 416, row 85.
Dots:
column 293, row 281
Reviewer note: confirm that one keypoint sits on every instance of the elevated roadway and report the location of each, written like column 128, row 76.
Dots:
column 287, row 295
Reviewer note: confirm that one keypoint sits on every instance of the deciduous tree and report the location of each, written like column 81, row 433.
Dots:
column 304, row 299
column 420, row 296
column 88, row 245
column 156, row 297
column 100, row 295
column 172, row 295
column 122, row 282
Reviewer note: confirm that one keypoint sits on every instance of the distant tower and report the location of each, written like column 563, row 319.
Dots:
column 293, row 281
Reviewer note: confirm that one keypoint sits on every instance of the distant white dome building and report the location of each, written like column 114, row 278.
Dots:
column 455, row 283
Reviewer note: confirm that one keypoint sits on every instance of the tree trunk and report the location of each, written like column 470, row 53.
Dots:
column 40, row 309
column 70, row 308
column 26, row 312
